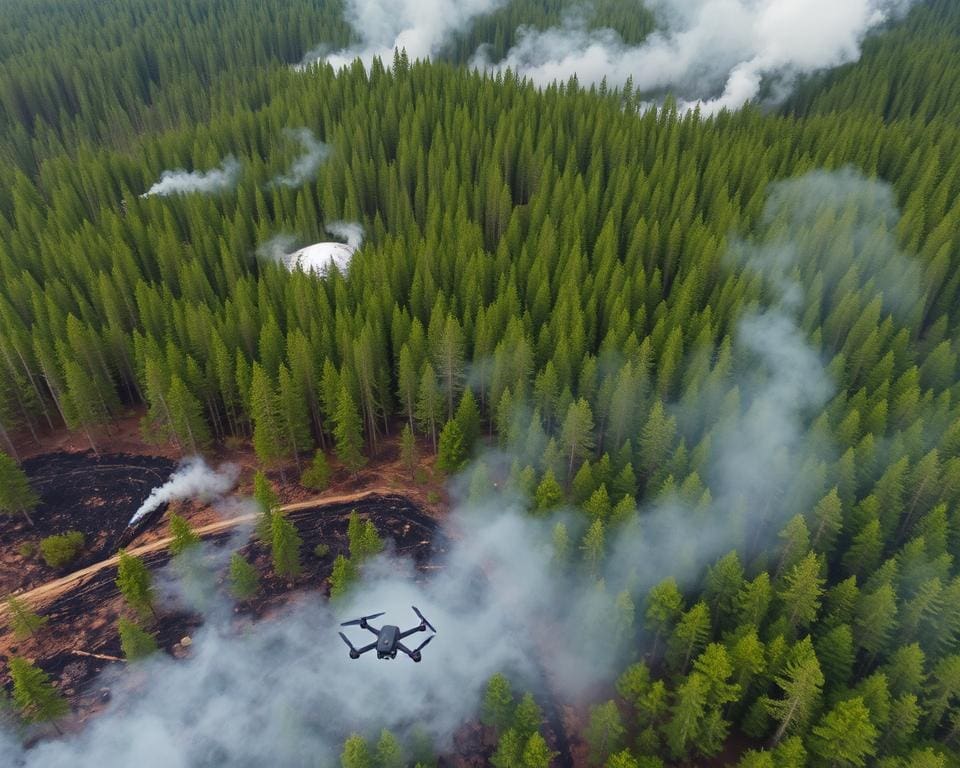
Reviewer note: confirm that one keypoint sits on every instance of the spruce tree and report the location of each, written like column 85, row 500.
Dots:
column 285, row 547
column 342, row 576
column 451, row 453
column 267, row 501
column 136, row 643
column 135, row 584
column 316, row 477
column 348, row 433
column 186, row 418
column 184, row 537
column 24, row 622
column 498, row 703
column 244, row 579
column 16, row 495
column 39, row 701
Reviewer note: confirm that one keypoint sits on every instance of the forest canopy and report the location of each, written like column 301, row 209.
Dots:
column 638, row 302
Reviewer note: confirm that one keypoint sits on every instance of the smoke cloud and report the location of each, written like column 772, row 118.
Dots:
column 278, row 248
column 182, row 182
column 284, row 691
column 714, row 54
column 350, row 231
column 420, row 27
column 304, row 167
column 193, row 480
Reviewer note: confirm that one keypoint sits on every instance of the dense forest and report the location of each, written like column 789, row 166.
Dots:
column 555, row 272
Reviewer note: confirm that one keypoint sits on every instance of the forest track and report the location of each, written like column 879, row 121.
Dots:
column 51, row 590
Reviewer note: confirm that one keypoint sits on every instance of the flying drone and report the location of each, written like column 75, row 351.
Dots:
column 388, row 637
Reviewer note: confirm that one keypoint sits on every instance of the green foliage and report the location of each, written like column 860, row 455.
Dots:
column 356, row 753
column 348, row 433
column 343, row 575
column 389, row 752
column 605, row 732
column 549, row 493
column 498, row 704
column 61, row 549
column 845, row 736
column 16, row 495
column 316, row 477
column 135, row 584
column 184, row 537
column 363, row 539
column 24, row 622
column 267, row 500
column 451, row 451
column 244, row 579
column 39, row 701
column 285, row 547
column 136, row 643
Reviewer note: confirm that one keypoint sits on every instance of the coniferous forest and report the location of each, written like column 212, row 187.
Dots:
column 627, row 303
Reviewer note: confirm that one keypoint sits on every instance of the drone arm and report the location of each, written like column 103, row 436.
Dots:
column 372, row 629
column 366, row 648
column 418, row 628
column 402, row 647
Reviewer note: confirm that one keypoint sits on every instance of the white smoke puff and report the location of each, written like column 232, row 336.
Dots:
column 278, row 248
column 182, row 182
column 305, row 166
column 350, row 231
column 420, row 27
column 713, row 53
column 193, row 480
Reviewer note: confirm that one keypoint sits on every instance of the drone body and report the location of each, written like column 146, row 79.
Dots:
column 388, row 638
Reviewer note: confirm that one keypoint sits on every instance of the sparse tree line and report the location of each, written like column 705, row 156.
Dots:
column 544, row 270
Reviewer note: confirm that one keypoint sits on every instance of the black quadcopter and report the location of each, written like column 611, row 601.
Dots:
column 388, row 637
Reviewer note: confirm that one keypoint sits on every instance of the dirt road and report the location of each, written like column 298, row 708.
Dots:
column 53, row 589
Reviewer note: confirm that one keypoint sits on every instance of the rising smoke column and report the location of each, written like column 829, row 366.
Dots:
column 421, row 27
column 305, row 166
column 712, row 53
column 182, row 182
column 194, row 479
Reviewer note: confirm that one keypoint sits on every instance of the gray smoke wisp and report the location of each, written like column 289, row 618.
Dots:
column 350, row 231
column 194, row 479
column 278, row 248
column 305, row 166
column 421, row 27
column 182, row 182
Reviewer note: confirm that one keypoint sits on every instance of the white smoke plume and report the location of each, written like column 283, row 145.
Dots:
column 350, row 231
column 714, row 54
column 420, row 27
column 194, row 479
column 304, row 167
column 182, row 182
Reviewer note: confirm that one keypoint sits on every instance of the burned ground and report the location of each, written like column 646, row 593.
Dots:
column 81, row 492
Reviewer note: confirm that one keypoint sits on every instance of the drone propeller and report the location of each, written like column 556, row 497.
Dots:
column 423, row 619
column 353, row 651
column 361, row 620
column 420, row 647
